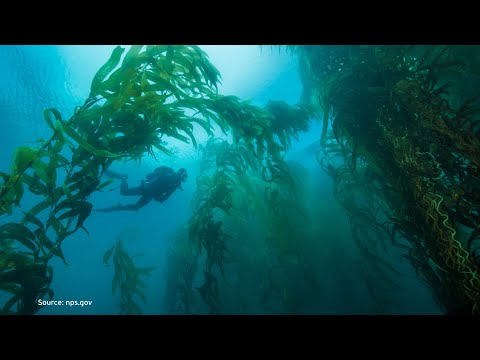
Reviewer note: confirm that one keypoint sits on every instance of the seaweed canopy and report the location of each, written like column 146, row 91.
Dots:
column 411, row 115
column 134, row 105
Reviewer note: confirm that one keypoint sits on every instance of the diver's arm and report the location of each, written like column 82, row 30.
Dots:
column 162, row 197
column 165, row 195
column 150, row 177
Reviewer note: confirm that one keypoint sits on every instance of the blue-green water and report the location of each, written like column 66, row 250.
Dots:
column 35, row 78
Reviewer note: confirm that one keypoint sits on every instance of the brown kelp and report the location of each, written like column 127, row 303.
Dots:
column 128, row 278
column 410, row 114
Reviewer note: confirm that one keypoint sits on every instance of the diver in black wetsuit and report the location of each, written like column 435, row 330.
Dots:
column 158, row 186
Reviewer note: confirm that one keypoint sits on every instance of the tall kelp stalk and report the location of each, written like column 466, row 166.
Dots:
column 285, row 221
column 206, row 244
column 221, row 164
column 411, row 115
column 261, row 138
column 231, row 200
column 181, row 270
column 128, row 278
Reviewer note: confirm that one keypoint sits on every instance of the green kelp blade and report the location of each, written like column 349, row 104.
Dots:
column 107, row 255
column 15, row 298
column 117, row 276
column 14, row 231
column 54, row 248
column 106, row 69
column 32, row 219
column 48, row 119
column 84, row 144
column 23, row 157
column 105, row 184
column 131, row 54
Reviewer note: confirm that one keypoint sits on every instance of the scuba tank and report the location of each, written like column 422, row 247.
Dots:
column 160, row 175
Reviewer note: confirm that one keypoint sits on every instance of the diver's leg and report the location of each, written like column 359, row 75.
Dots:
column 125, row 191
column 109, row 209
column 115, row 175
column 144, row 200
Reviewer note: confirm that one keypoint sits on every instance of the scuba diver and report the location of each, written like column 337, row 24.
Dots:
column 158, row 186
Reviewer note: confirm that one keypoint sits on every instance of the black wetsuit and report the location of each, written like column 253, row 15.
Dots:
column 157, row 187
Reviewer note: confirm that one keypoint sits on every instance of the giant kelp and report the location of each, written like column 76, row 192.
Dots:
column 138, row 101
column 132, row 104
column 221, row 164
column 261, row 138
column 232, row 196
column 128, row 278
column 410, row 114
column 259, row 146
column 181, row 270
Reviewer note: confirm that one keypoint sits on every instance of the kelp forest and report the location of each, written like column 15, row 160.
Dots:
column 399, row 141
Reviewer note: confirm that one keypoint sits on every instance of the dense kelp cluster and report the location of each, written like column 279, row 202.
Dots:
column 129, row 110
column 134, row 104
column 138, row 101
column 407, row 117
column 243, row 234
column 261, row 138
